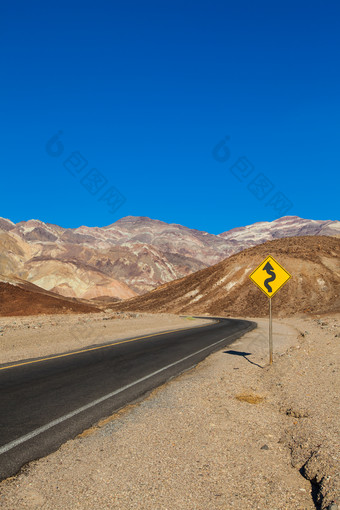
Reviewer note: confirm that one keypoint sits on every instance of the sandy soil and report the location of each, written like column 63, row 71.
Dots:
column 231, row 433
column 36, row 336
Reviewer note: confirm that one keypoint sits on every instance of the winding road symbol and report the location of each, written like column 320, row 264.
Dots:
column 269, row 276
column 270, row 270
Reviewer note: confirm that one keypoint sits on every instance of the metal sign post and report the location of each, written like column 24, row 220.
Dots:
column 270, row 333
column 263, row 276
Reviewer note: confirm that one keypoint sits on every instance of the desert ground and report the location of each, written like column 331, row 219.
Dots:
column 36, row 336
column 233, row 432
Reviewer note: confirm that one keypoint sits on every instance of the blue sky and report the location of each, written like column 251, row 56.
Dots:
column 143, row 93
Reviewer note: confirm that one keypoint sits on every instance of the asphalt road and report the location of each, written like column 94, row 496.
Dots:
column 47, row 402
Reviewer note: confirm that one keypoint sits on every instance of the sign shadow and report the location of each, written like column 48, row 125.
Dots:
column 243, row 355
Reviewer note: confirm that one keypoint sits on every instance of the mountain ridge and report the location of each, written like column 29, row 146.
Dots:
column 131, row 256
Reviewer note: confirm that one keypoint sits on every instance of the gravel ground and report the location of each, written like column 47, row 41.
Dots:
column 231, row 433
column 36, row 336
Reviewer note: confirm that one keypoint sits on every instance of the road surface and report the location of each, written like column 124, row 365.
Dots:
column 44, row 403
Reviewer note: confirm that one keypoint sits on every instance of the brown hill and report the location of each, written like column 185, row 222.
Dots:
column 225, row 289
column 18, row 297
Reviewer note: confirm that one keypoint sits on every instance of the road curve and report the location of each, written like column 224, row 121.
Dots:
column 44, row 403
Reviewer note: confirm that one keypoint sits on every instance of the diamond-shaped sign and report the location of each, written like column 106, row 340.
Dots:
column 269, row 276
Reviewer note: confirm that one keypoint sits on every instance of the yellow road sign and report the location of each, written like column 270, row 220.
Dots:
column 269, row 276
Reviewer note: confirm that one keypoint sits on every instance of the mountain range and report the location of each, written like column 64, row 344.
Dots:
column 130, row 257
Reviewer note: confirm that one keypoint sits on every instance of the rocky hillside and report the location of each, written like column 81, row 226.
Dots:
column 18, row 297
column 225, row 288
column 288, row 226
column 129, row 257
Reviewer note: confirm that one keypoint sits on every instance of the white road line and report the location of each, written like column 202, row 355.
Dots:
column 53, row 423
